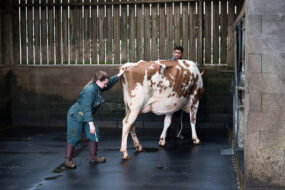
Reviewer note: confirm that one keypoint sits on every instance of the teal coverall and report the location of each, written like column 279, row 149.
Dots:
column 82, row 112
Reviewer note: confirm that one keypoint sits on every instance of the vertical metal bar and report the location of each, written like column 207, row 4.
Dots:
column 47, row 34
column 54, row 35
column 33, row 32
column 40, row 15
column 20, row 30
column 83, row 44
column 68, row 32
column 27, row 41
column 90, row 41
column 61, row 39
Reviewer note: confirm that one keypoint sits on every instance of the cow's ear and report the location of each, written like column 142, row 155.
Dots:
column 202, row 73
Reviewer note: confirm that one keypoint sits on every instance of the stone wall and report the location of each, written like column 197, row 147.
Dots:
column 41, row 96
column 265, row 95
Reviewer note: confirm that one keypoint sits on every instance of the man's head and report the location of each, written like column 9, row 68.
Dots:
column 178, row 52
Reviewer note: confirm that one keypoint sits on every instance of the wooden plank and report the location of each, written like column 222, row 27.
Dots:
column 185, row 30
column 192, row 41
column 50, row 36
column 147, row 32
column 162, row 31
column 231, row 17
column 44, row 33
column 109, row 20
column 154, row 33
column 58, row 34
column 132, row 33
column 208, row 33
column 7, row 31
column 23, row 36
column 200, row 34
column 224, row 32
column 124, row 34
column 73, row 38
column 101, row 35
column 123, row 2
column 2, row 25
column 15, row 36
column 65, row 32
column 37, row 35
column 169, row 30
column 79, row 34
column 216, row 20
column 239, row 4
column 86, row 37
column 116, row 35
column 177, row 24
column 94, row 31
column 140, row 33
column 30, row 36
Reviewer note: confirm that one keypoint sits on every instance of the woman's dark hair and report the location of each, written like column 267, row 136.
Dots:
column 99, row 75
column 178, row 48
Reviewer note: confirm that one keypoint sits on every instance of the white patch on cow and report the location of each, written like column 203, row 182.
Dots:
column 171, row 76
column 178, row 68
column 151, row 67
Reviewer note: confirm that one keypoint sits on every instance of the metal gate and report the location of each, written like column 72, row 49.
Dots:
column 239, row 81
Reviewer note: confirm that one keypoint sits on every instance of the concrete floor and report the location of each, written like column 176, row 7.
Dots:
column 32, row 159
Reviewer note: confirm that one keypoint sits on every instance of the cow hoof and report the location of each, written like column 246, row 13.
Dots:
column 162, row 142
column 139, row 148
column 126, row 158
column 196, row 141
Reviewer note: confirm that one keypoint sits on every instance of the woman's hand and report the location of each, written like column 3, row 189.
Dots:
column 92, row 127
column 121, row 72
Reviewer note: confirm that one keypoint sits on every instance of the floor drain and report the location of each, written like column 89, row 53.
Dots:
column 227, row 152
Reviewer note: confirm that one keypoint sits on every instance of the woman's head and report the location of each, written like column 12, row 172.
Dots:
column 101, row 78
column 100, row 75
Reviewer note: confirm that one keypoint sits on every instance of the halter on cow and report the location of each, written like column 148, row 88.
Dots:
column 161, row 87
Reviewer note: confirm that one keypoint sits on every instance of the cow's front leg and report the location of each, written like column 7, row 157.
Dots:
column 193, row 114
column 167, row 122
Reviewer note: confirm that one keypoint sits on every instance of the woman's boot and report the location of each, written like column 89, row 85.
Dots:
column 68, row 156
column 93, row 153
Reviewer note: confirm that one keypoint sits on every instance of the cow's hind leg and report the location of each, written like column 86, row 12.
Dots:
column 135, row 139
column 167, row 122
column 193, row 114
column 127, row 123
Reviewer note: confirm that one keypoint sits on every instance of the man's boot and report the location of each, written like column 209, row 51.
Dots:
column 68, row 156
column 93, row 153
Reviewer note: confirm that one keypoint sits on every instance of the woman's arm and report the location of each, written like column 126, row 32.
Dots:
column 112, row 81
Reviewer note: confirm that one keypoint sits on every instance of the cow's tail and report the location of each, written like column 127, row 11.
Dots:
column 181, row 124
column 123, row 82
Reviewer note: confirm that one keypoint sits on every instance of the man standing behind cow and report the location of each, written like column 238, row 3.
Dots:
column 177, row 54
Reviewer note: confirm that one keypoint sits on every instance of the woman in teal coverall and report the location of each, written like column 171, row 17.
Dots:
column 80, row 117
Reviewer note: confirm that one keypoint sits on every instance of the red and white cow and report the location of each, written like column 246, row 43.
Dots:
column 161, row 87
